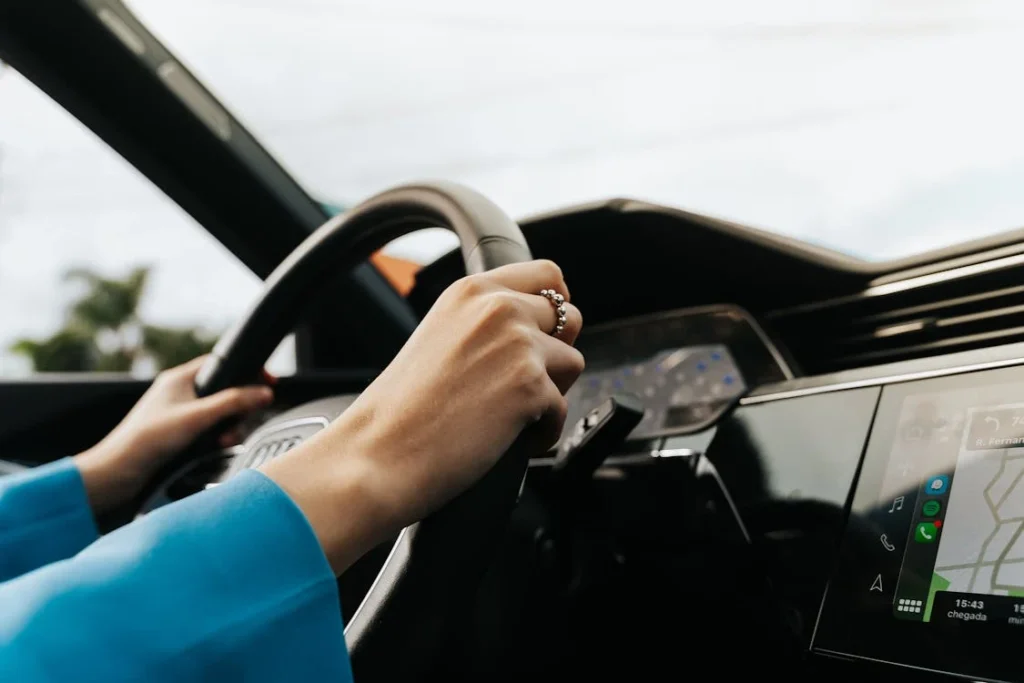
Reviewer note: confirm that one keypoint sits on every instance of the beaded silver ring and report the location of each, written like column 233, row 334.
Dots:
column 558, row 301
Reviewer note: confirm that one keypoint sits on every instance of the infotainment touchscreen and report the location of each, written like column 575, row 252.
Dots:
column 931, row 568
column 964, row 555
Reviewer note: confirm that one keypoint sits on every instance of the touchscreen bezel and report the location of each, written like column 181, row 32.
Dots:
column 856, row 621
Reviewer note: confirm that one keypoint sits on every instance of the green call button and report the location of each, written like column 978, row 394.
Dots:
column 926, row 532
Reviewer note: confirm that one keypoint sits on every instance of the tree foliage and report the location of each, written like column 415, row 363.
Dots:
column 103, row 331
column 171, row 346
column 107, row 303
column 68, row 350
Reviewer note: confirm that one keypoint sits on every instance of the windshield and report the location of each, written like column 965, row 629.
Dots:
column 880, row 129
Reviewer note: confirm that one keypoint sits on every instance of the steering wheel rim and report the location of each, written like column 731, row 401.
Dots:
column 488, row 239
column 440, row 557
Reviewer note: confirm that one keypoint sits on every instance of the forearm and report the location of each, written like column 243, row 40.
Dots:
column 44, row 517
column 109, row 481
column 230, row 584
column 339, row 489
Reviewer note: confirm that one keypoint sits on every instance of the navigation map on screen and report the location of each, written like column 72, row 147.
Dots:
column 981, row 550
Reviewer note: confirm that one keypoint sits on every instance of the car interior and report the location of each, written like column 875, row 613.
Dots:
column 780, row 460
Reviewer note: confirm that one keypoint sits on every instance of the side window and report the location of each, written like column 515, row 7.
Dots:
column 99, row 270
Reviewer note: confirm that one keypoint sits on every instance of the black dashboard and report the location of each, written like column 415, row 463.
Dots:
column 878, row 505
column 885, row 505
column 870, row 450
column 914, row 470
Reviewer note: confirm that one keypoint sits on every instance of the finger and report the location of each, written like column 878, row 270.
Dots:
column 563, row 362
column 573, row 325
column 530, row 277
column 546, row 315
column 230, row 438
column 208, row 411
column 548, row 428
column 191, row 368
column 538, row 309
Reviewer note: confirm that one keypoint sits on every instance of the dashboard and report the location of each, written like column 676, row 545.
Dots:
column 890, row 534
column 886, row 504
column 908, row 550
column 908, row 478
column 921, row 465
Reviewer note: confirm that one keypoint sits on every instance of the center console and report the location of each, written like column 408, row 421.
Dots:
column 930, row 571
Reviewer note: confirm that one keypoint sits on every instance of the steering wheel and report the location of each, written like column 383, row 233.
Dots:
column 435, row 564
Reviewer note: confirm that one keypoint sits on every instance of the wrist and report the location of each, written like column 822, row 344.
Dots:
column 338, row 489
column 110, row 479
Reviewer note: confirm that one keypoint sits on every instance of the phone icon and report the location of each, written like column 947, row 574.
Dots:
column 885, row 543
column 926, row 532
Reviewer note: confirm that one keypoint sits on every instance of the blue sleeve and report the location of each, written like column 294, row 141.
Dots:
column 44, row 517
column 227, row 585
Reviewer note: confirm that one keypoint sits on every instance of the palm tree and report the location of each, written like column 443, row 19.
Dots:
column 170, row 346
column 104, row 333
column 66, row 351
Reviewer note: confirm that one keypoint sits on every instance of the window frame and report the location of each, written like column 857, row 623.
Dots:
column 229, row 184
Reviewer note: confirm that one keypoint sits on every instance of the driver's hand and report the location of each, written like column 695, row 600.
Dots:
column 480, row 367
column 167, row 418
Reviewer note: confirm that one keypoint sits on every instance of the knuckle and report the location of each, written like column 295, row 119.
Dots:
column 529, row 376
column 577, row 362
column 576, row 316
column 234, row 397
column 560, row 409
column 499, row 306
column 520, row 338
column 556, row 412
column 550, row 271
column 469, row 286
column 573, row 319
column 561, row 412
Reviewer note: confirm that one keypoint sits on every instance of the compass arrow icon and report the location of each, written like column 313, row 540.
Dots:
column 877, row 585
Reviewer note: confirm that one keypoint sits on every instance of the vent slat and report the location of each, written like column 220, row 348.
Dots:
column 941, row 316
column 948, row 305
column 948, row 345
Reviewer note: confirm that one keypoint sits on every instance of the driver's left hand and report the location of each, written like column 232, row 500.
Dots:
column 167, row 418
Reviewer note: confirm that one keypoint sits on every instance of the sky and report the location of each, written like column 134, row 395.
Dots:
column 880, row 128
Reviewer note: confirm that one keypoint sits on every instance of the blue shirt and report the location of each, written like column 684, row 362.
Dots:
column 226, row 585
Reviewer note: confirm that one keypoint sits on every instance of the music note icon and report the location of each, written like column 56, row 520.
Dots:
column 897, row 505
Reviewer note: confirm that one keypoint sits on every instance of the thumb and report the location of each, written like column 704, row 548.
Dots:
column 208, row 411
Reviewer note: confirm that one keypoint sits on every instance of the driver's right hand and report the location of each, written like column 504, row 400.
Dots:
column 481, row 366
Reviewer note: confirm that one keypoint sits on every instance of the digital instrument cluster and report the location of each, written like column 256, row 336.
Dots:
column 687, row 367
column 680, row 388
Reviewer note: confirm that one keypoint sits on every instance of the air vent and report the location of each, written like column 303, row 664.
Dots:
column 955, row 310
